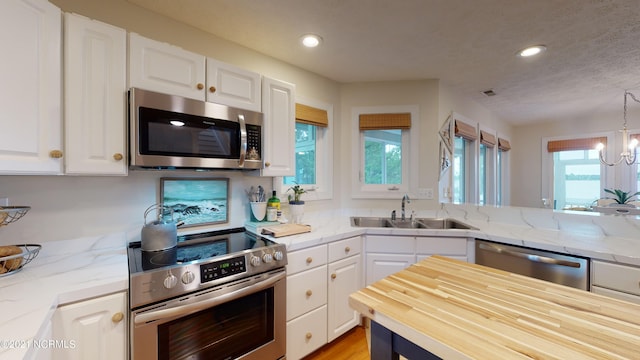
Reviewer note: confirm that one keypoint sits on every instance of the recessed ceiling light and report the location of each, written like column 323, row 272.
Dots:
column 532, row 50
column 311, row 40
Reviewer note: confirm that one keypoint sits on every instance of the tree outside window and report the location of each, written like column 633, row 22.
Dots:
column 383, row 156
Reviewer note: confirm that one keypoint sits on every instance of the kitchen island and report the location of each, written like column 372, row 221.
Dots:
column 449, row 309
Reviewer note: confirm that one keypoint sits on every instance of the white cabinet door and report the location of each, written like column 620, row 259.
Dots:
column 95, row 97
column 383, row 265
column 165, row 68
column 306, row 333
column 30, row 125
column 278, row 106
column 344, row 279
column 97, row 326
column 233, row 86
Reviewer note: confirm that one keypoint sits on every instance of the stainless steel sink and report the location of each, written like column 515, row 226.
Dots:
column 446, row 223
column 420, row 223
column 408, row 224
column 371, row 222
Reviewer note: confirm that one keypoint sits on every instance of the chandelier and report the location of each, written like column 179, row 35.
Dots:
column 629, row 146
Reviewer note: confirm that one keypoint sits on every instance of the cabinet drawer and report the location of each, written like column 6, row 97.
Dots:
column 441, row 246
column 306, row 259
column 616, row 277
column 344, row 248
column 306, row 291
column 615, row 294
column 390, row 244
column 306, row 333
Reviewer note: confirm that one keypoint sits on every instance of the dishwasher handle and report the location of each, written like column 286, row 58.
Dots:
column 531, row 257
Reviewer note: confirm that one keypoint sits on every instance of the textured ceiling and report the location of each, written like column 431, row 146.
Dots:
column 593, row 45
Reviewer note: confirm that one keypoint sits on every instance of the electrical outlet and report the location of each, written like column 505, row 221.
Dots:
column 429, row 194
column 425, row 193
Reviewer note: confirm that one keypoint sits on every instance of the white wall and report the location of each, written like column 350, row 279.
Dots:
column 65, row 207
column 527, row 148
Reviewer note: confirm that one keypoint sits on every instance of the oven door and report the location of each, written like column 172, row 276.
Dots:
column 244, row 319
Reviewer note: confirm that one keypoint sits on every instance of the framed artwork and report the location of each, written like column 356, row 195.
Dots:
column 196, row 201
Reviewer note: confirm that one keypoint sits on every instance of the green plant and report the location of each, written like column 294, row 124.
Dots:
column 297, row 192
column 621, row 197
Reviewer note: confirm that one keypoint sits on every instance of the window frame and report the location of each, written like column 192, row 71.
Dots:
column 323, row 188
column 607, row 173
column 472, row 152
column 503, row 176
column 490, row 158
column 410, row 138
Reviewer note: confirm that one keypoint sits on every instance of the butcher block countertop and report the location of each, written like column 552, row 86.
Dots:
column 457, row 310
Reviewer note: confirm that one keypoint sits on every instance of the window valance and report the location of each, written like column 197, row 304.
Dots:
column 385, row 121
column 575, row 144
column 309, row 115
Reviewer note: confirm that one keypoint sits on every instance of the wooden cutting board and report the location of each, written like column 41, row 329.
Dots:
column 466, row 311
column 286, row 230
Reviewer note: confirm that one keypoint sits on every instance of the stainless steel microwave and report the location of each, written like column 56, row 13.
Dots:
column 173, row 132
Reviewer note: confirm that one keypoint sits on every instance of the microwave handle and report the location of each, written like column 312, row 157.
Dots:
column 243, row 140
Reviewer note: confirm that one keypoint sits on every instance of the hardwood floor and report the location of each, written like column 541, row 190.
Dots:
column 352, row 346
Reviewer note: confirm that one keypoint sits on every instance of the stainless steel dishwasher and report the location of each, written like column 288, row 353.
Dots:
column 558, row 268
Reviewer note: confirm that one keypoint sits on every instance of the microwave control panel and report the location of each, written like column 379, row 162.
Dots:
column 254, row 142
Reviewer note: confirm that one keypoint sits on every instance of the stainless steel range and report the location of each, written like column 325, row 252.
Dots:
column 217, row 295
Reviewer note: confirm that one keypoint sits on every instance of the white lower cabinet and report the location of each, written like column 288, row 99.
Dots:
column 344, row 279
column 306, row 333
column 386, row 255
column 616, row 280
column 319, row 282
column 92, row 329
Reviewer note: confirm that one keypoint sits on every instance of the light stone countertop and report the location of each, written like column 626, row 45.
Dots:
column 80, row 269
column 63, row 272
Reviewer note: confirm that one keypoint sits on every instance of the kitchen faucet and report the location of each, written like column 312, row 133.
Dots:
column 405, row 198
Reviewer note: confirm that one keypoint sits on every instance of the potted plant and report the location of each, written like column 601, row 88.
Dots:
column 621, row 197
column 296, row 206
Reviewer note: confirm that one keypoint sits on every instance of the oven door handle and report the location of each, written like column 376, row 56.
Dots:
column 207, row 303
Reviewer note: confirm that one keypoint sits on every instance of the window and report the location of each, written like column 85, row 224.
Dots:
column 502, row 181
column 577, row 181
column 578, row 178
column 313, row 150
column 383, row 156
column 305, row 155
column 486, row 168
column 463, row 162
column 384, row 139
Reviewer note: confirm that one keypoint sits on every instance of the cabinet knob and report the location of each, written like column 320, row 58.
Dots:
column 347, row 249
column 267, row 164
column 309, row 335
column 333, row 276
column 117, row 317
column 117, row 157
column 212, row 89
column 55, row 154
column 309, row 292
column 200, row 86
column 309, row 260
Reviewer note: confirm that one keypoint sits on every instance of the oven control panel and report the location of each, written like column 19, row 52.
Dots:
column 223, row 268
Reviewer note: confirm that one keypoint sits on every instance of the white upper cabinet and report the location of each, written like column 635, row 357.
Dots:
column 165, row 68
column 95, row 97
column 278, row 106
column 233, row 86
column 30, row 124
